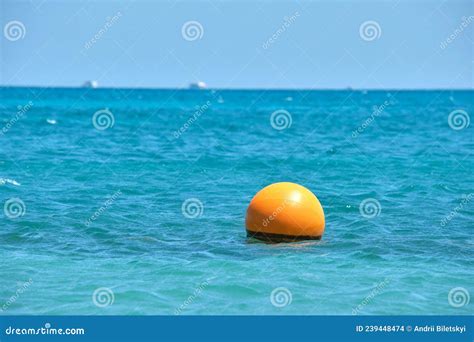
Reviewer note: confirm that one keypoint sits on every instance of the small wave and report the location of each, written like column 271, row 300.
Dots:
column 51, row 121
column 4, row 181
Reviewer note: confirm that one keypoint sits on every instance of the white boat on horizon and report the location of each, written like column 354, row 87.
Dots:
column 90, row 84
column 198, row 85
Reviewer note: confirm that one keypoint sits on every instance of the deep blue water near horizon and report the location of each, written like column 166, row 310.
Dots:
column 103, row 208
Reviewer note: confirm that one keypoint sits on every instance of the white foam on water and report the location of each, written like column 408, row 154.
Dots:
column 4, row 181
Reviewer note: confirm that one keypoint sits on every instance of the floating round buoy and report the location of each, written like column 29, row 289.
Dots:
column 285, row 212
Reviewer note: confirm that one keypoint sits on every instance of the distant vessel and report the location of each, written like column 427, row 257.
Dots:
column 198, row 85
column 90, row 84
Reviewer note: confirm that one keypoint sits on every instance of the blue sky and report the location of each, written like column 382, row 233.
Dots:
column 320, row 46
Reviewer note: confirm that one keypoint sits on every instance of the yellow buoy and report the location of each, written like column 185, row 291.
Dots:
column 285, row 212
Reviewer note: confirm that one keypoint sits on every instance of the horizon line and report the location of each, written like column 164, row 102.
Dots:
column 235, row 89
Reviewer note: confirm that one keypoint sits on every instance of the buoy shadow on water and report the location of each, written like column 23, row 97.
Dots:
column 287, row 245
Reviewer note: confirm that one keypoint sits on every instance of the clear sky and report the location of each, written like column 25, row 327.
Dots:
column 320, row 44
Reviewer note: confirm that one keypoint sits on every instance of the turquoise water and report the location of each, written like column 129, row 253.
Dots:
column 92, row 208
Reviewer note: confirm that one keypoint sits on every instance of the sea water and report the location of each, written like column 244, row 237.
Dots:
column 133, row 201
